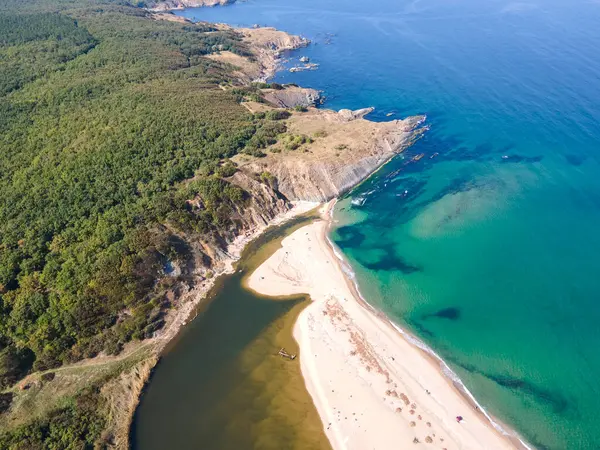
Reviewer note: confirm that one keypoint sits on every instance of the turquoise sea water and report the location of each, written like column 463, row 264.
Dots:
column 493, row 262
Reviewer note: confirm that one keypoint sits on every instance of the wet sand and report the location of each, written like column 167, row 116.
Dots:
column 371, row 387
column 223, row 386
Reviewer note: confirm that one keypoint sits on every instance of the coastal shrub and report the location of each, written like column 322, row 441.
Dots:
column 260, row 85
column 300, row 108
column 6, row 399
column 227, row 169
column 320, row 134
column 248, row 94
column 78, row 425
column 293, row 142
column 277, row 114
column 265, row 135
column 256, row 152
column 254, row 98
column 48, row 376
column 14, row 364
column 269, row 179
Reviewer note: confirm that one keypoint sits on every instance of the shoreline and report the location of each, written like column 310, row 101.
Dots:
column 269, row 45
column 452, row 378
column 183, row 314
column 373, row 335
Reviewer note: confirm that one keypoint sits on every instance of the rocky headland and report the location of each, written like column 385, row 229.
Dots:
column 339, row 150
column 267, row 46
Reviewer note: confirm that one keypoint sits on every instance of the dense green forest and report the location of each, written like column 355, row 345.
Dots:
column 75, row 426
column 104, row 113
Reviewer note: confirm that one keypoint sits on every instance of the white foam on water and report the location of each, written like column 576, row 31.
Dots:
column 449, row 373
column 446, row 370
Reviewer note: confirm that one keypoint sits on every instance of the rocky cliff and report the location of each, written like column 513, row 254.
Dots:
column 167, row 5
column 267, row 44
column 340, row 150
column 211, row 252
column 292, row 96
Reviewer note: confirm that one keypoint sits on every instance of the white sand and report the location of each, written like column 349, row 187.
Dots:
column 369, row 384
column 180, row 316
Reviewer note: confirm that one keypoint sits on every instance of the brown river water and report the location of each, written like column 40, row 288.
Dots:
column 221, row 384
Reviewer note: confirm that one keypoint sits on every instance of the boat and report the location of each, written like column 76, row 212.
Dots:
column 418, row 157
column 285, row 354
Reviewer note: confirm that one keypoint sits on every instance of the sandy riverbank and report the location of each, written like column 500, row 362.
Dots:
column 180, row 316
column 372, row 388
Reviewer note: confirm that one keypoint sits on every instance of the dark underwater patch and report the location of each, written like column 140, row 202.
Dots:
column 460, row 152
column 461, row 184
column 349, row 237
column 575, row 160
column 555, row 400
column 468, row 367
column 421, row 329
column 519, row 158
column 391, row 262
column 451, row 313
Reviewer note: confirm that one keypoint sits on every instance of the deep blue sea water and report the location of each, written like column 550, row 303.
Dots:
column 488, row 252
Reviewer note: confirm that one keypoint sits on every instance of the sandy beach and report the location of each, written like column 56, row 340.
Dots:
column 371, row 387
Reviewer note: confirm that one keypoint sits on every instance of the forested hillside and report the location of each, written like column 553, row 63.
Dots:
column 109, row 122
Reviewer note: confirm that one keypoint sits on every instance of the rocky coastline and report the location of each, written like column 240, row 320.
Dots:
column 169, row 5
column 341, row 149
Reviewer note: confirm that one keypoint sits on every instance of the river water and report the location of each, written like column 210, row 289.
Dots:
column 221, row 384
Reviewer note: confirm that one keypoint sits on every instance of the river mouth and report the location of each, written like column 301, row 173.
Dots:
column 222, row 385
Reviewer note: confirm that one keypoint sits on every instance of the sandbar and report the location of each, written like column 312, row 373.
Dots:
column 372, row 388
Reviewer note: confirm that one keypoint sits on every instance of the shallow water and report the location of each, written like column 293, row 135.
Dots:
column 487, row 252
column 222, row 385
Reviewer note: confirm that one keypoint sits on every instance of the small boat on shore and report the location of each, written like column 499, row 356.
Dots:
column 285, row 354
